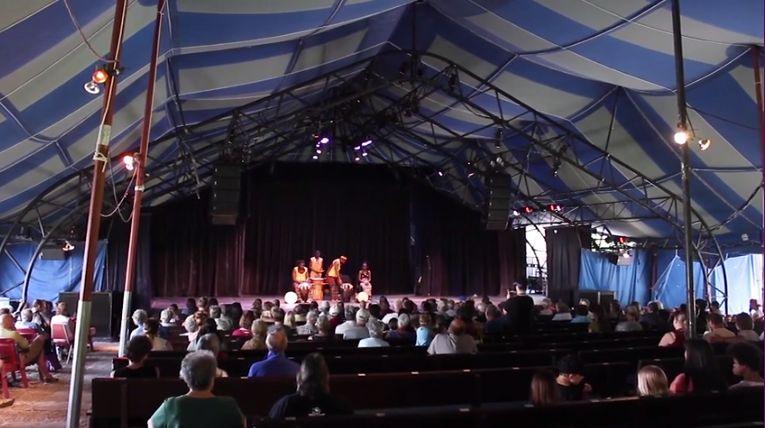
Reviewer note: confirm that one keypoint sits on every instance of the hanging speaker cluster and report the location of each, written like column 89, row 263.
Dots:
column 225, row 194
column 499, row 201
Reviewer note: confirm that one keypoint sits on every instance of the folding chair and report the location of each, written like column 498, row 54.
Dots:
column 11, row 363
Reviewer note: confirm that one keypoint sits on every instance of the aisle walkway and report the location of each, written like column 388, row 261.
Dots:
column 44, row 405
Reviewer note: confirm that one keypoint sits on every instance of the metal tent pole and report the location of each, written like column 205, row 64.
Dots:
column 135, row 222
column 757, row 57
column 686, row 168
column 100, row 157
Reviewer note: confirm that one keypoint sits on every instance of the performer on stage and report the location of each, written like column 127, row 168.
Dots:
column 316, row 265
column 333, row 276
column 300, row 277
column 365, row 279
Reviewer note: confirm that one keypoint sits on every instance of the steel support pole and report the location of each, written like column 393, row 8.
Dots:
column 686, row 168
column 100, row 157
column 757, row 58
column 140, row 171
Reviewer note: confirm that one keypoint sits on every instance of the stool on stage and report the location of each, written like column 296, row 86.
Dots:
column 317, row 289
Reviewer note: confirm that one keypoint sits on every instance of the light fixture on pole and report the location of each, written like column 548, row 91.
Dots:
column 681, row 135
column 704, row 143
column 98, row 78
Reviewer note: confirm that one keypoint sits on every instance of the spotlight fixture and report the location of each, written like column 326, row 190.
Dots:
column 318, row 151
column 357, row 158
column 98, row 78
column 500, row 139
column 681, row 136
column 324, row 140
column 364, row 154
column 528, row 210
column 67, row 246
column 366, row 143
column 705, row 143
column 315, row 157
column 554, row 208
column 440, row 173
column 129, row 160
column 516, row 213
column 470, row 174
column 357, row 148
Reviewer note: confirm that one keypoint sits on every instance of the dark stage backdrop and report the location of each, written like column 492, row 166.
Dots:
column 367, row 213
column 564, row 249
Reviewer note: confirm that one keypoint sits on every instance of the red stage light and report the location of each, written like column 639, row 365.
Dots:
column 553, row 207
column 100, row 76
column 528, row 210
column 622, row 240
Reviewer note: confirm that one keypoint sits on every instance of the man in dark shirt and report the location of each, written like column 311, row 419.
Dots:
column 520, row 311
column 495, row 326
column 570, row 380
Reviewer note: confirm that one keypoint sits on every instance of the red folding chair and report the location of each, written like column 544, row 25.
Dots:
column 62, row 339
column 29, row 333
column 11, row 363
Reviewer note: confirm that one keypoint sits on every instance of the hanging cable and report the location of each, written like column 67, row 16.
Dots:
column 82, row 34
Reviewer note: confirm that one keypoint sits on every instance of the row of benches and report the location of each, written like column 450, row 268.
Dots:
column 119, row 401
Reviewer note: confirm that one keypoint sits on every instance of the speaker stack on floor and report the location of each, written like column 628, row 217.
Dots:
column 499, row 203
column 105, row 310
column 225, row 195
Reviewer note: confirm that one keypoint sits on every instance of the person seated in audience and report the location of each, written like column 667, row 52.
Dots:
column 258, row 340
column 167, row 318
column 275, row 363
column 151, row 331
column 191, row 307
column 652, row 319
column 266, row 315
column 375, row 339
column 544, row 389
column 210, row 342
column 424, row 332
column 745, row 327
column 198, row 321
column 326, row 331
column 278, row 316
column 359, row 330
column 245, row 326
column 310, row 327
column 614, row 311
column 714, row 308
column 747, row 364
column 495, row 324
column 582, row 315
column 629, row 323
column 716, row 331
column 27, row 322
column 312, row 397
column 453, row 341
column 676, row 337
column 700, row 373
column 62, row 314
column 198, row 408
column 208, row 328
column 570, row 379
column 545, row 308
column 190, row 323
column 137, row 352
column 139, row 317
column 385, row 308
column 563, row 312
column 404, row 333
column 324, row 308
column 29, row 353
column 233, row 313
column 41, row 314
column 336, row 315
column 599, row 322
column 5, row 402
column 350, row 317
column 652, row 382
column 216, row 313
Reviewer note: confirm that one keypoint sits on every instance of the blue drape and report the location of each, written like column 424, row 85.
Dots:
column 744, row 282
column 49, row 277
column 629, row 283
column 670, row 282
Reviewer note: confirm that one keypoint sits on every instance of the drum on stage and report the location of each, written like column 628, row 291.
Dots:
column 347, row 290
column 304, row 290
column 317, row 289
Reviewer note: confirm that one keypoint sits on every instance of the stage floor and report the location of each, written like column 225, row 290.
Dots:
column 160, row 303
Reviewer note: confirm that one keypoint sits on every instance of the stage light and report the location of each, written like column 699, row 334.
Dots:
column 528, row 210
column 440, row 173
column 67, row 246
column 705, row 143
column 318, row 151
column 362, row 297
column 357, row 148
column 92, row 88
column 129, row 161
column 364, row 154
column 471, row 174
column 99, row 77
column 357, row 158
column 324, row 140
column 290, row 298
column 554, row 208
column 315, row 157
column 366, row 143
column 622, row 240
column 516, row 213
column 681, row 136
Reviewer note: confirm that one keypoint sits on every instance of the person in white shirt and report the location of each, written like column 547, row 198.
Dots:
column 745, row 326
column 62, row 314
column 350, row 318
column 139, row 317
column 375, row 339
column 216, row 313
column 716, row 331
column 455, row 341
column 151, row 331
column 747, row 362
column 358, row 331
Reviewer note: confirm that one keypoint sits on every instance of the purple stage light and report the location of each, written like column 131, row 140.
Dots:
column 366, row 143
column 324, row 140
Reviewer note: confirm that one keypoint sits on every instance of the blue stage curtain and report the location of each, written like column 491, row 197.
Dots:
column 670, row 283
column 629, row 283
column 49, row 277
column 744, row 282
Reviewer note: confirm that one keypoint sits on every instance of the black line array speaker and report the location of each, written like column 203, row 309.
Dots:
column 498, row 206
column 225, row 195
column 101, row 313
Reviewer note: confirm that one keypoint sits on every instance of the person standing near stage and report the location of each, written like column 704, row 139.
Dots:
column 316, row 265
column 333, row 276
column 365, row 279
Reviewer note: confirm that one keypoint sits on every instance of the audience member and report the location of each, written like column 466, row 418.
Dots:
column 151, row 331
column 350, row 316
column 544, row 390
column 629, row 323
column 599, row 322
column 424, row 332
column 404, row 332
column 652, row 382
column 139, row 317
column 563, row 312
column 258, row 340
column 216, row 313
column 245, row 326
column 30, row 353
column 312, row 397
column 520, row 311
column 199, row 407
column 747, row 364
column 582, row 313
column 716, row 331
column 191, row 307
column 375, row 339
column 545, row 308
column 275, row 363
column 137, row 352
column 310, row 327
column 210, row 342
column 326, row 332
column 453, row 341
column 62, row 314
column 745, row 327
column 652, row 319
column 676, row 337
column 26, row 321
column 570, row 379
column 359, row 330
column 701, row 372
column 278, row 315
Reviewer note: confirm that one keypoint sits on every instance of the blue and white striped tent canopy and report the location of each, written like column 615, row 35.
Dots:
column 601, row 69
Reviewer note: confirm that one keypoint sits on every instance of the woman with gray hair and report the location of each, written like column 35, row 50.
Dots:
column 199, row 407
